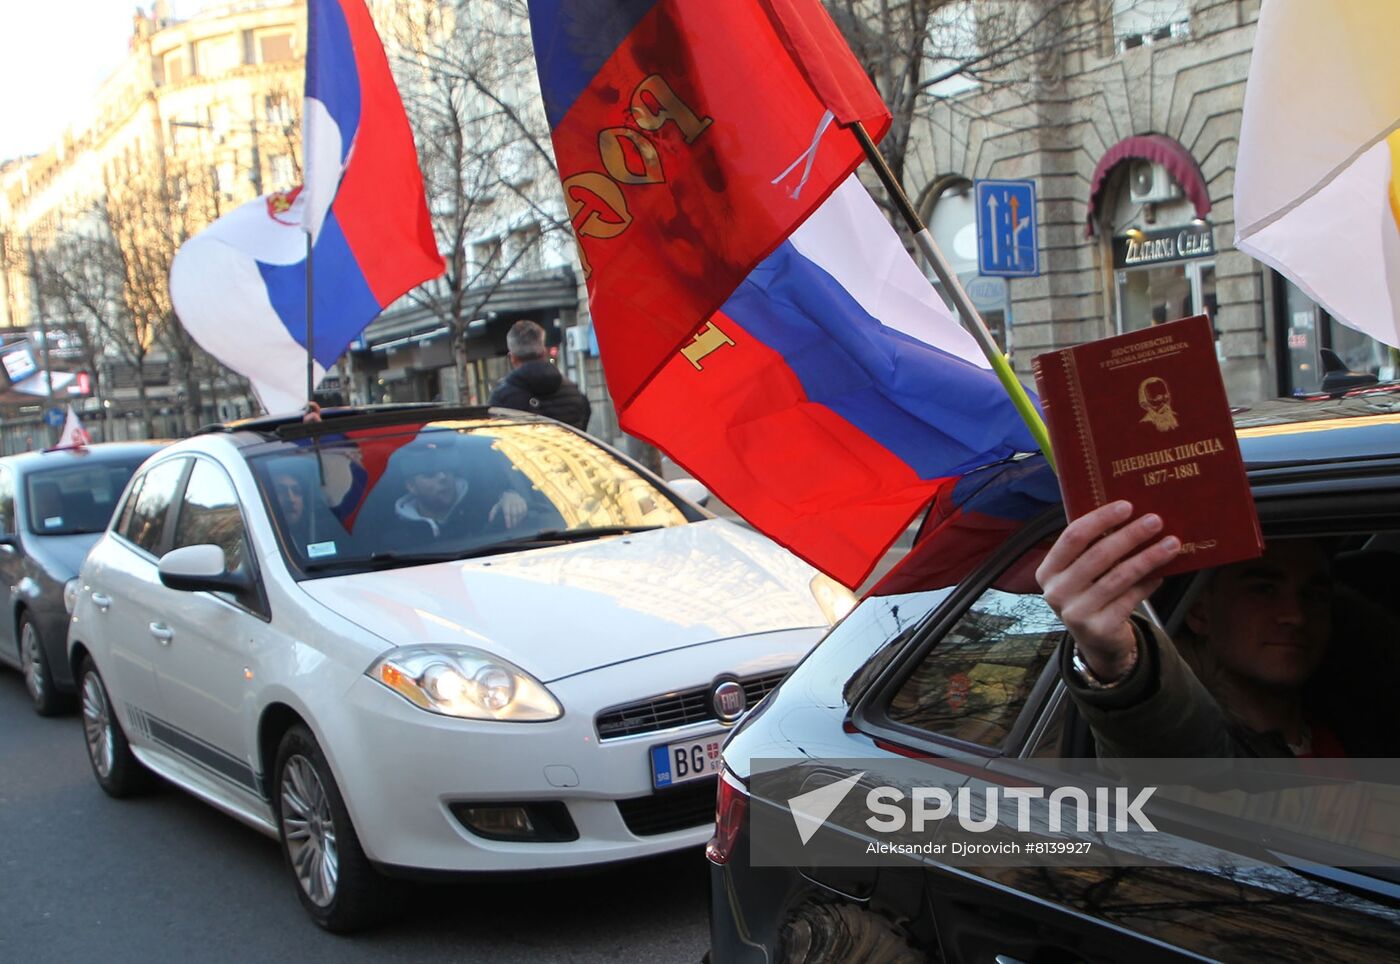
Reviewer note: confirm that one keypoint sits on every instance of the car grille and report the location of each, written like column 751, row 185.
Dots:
column 692, row 805
column 676, row 709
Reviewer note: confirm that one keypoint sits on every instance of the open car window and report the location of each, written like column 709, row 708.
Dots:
column 378, row 497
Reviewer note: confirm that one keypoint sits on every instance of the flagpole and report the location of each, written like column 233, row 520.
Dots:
column 973, row 320
column 310, row 328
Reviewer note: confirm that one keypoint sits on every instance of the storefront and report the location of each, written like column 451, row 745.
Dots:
column 1163, row 274
column 1306, row 330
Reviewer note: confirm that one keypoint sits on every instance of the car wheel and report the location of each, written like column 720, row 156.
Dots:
column 48, row 701
column 831, row 933
column 335, row 881
column 117, row 770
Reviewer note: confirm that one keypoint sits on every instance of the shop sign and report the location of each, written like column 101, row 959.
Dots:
column 1164, row 245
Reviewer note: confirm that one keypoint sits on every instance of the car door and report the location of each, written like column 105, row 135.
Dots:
column 11, row 564
column 1119, row 909
column 966, row 696
column 127, row 595
column 209, row 661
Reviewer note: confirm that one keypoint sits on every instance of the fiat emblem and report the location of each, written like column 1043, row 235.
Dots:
column 729, row 701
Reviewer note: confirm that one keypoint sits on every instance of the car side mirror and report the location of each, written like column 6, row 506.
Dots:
column 201, row 569
column 691, row 490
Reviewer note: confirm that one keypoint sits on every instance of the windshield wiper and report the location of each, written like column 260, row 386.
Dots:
column 383, row 560
column 545, row 537
column 550, row 537
column 590, row 532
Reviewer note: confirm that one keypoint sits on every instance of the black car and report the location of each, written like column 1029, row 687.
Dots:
column 53, row 507
column 966, row 680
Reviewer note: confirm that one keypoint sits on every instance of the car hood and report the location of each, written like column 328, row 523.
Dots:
column 61, row 556
column 565, row 610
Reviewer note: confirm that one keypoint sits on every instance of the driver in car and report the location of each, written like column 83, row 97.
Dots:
column 441, row 499
column 1237, row 681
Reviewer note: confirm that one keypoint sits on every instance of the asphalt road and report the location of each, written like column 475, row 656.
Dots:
column 84, row 878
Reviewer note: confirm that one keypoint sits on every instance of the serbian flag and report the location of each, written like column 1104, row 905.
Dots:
column 239, row 287
column 1317, row 184
column 758, row 318
column 73, row 436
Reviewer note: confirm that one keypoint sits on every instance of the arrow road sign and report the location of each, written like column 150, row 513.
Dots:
column 1006, row 237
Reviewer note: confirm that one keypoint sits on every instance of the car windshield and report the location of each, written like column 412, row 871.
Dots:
column 77, row 498
column 381, row 497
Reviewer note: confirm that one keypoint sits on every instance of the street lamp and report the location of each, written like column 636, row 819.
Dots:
column 255, row 172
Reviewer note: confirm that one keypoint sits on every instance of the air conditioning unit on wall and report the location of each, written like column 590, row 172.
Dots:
column 1150, row 183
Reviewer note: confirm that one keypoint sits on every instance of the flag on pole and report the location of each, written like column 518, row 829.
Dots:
column 73, row 435
column 239, row 286
column 1316, row 194
column 758, row 317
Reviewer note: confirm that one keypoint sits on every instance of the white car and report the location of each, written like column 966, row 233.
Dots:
column 407, row 641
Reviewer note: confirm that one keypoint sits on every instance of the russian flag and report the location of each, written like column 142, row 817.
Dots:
column 758, row 317
column 239, row 286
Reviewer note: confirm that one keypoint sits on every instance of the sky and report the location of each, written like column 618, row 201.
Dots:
column 54, row 54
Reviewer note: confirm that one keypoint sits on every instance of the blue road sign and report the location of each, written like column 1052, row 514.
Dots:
column 1006, row 229
column 55, row 416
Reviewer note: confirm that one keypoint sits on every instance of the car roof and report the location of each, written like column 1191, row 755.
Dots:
column 96, row 452
column 1357, row 426
column 269, row 431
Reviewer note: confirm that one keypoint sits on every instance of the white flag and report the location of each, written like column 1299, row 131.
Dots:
column 74, row 435
column 1315, row 194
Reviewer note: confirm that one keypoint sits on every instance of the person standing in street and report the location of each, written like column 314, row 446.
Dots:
column 534, row 384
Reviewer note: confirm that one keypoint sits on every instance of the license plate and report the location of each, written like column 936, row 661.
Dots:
column 674, row 763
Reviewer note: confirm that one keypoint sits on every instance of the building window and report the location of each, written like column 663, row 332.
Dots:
column 524, row 249
column 282, row 171
column 277, row 109
column 216, row 55
column 486, row 255
column 1138, row 23
column 174, row 64
column 274, row 48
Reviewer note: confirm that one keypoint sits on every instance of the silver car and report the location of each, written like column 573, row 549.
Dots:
column 53, row 507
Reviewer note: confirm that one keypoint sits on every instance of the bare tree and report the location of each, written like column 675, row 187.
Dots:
column 947, row 62
column 464, row 68
column 77, row 275
column 150, row 212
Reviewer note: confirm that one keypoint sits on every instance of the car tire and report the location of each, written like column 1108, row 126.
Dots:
column 38, row 678
column 832, row 933
column 118, row 771
column 334, row 879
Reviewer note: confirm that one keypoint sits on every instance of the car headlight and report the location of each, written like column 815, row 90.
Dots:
column 70, row 595
column 465, row 682
column 834, row 599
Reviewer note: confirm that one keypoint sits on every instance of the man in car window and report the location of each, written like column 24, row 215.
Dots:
column 1254, row 637
column 440, row 501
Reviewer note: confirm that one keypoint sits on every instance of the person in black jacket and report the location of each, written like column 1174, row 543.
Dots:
column 536, row 385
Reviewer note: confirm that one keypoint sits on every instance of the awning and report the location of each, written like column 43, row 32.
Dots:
column 1160, row 149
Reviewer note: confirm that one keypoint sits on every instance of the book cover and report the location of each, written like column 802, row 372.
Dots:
column 1144, row 417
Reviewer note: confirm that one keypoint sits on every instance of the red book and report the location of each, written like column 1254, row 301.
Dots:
column 1144, row 417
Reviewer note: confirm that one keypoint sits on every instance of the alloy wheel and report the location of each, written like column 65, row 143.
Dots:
column 309, row 831
column 32, row 662
column 97, row 726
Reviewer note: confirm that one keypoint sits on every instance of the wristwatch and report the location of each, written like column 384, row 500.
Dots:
column 1086, row 675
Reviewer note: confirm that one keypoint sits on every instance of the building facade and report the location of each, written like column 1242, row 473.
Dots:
column 214, row 99
column 1129, row 133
